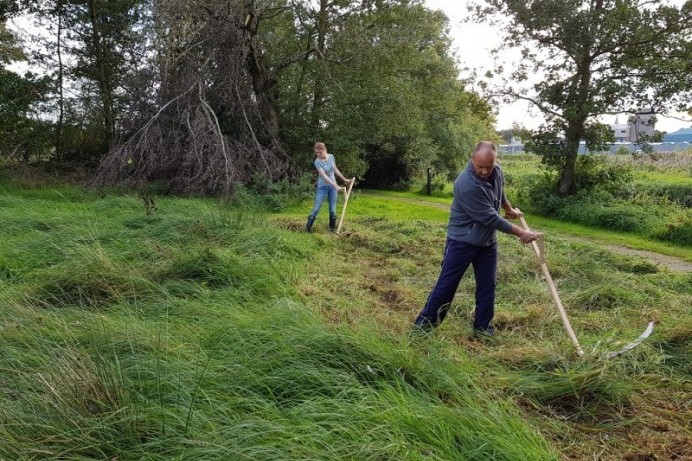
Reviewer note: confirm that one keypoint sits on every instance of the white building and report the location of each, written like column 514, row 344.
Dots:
column 621, row 131
column 643, row 123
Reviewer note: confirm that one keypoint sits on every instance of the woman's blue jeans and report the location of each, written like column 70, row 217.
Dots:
column 322, row 194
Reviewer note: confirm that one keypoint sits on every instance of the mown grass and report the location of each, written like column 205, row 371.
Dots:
column 631, row 407
column 437, row 206
column 187, row 335
column 654, row 206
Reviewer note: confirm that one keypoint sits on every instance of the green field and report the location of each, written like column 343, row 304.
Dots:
column 642, row 202
column 216, row 331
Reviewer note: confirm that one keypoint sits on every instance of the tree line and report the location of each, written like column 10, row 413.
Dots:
column 202, row 96
column 209, row 94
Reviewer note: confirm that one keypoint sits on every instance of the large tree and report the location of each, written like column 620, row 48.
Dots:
column 22, row 132
column 593, row 57
column 378, row 82
column 213, row 116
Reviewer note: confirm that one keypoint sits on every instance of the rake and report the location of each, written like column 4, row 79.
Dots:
column 343, row 211
column 539, row 248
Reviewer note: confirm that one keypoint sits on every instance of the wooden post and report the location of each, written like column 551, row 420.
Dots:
column 429, row 185
column 540, row 255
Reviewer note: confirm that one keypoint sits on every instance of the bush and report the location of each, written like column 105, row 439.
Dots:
column 678, row 230
column 677, row 193
column 594, row 172
column 262, row 193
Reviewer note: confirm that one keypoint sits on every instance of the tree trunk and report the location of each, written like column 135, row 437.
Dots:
column 322, row 24
column 264, row 85
column 104, row 81
column 565, row 185
column 61, row 90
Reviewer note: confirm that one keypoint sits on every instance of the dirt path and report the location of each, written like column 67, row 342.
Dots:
column 671, row 262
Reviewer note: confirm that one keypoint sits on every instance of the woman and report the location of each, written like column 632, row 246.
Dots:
column 327, row 186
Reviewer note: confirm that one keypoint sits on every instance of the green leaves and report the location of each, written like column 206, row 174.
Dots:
column 383, row 88
column 594, row 58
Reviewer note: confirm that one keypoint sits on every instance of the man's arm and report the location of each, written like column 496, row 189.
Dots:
column 477, row 206
column 513, row 213
column 510, row 213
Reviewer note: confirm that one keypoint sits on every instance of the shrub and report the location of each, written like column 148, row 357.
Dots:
column 265, row 194
column 677, row 193
column 678, row 230
column 595, row 172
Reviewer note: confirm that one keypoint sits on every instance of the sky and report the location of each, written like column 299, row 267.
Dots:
column 473, row 43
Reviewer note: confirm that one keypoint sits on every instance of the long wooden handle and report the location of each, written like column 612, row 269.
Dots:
column 556, row 297
column 343, row 211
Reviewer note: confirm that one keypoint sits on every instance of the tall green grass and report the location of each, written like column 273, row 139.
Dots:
column 183, row 335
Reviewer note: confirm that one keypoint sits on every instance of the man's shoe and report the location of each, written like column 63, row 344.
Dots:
column 422, row 330
column 332, row 223
column 485, row 334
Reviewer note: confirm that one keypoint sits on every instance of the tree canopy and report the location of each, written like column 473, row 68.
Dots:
column 208, row 94
column 22, row 131
column 594, row 57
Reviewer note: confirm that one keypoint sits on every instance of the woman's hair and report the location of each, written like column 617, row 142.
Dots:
column 319, row 146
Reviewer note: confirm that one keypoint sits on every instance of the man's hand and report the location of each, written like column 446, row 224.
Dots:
column 527, row 236
column 513, row 213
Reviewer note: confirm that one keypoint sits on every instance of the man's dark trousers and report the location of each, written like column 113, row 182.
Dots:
column 457, row 258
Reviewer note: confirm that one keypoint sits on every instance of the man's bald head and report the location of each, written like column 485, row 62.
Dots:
column 484, row 147
column 483, row 159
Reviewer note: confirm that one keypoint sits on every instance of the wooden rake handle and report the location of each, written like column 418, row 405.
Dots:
column 343, row 211
column 539, row 249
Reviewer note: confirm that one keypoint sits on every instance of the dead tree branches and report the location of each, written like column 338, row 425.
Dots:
column 215, row 123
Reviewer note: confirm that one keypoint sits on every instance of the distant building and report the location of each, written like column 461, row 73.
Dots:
column 640, row 125
column 621, row 131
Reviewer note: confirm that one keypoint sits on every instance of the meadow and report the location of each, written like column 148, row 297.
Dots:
column 218, row 331
column 648, row 196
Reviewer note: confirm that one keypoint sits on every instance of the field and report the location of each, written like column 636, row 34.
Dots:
column 648, row 196
column 222, row 331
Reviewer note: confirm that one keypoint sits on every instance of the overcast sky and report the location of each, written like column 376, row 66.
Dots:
column 474, row 42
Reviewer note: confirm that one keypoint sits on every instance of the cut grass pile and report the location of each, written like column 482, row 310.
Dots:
column 183, row 336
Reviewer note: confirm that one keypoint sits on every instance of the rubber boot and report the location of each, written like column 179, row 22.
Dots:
column 308, row 225
column 332, row 223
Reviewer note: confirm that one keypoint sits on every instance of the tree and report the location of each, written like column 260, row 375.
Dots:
column 597, row 57
column 22, row 133
column 213, row 119
column 377, row 81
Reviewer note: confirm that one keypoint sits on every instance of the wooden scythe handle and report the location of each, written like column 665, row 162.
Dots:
column 343, row 211
column 556, row 297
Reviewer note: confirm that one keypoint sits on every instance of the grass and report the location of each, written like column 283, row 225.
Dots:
column 548, row 225
column 183, row 336
column 212, row 331
column 651, row 213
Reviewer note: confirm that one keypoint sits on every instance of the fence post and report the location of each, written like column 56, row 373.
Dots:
column 429, row 187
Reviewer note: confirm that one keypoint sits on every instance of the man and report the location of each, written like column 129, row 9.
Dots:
column 473, row 222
